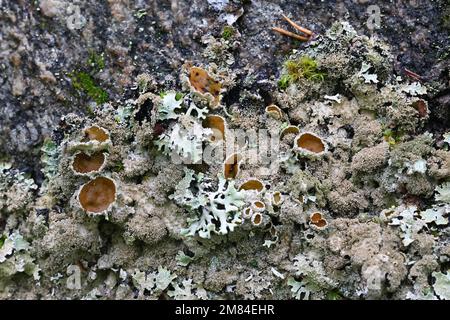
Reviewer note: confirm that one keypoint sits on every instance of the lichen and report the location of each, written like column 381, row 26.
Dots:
column 442, row 285
column 351, row 203
column 216, row 211
column 443, row 192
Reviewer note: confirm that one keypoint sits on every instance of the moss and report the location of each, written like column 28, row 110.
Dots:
column 392, row 136
column 83, row 82
column 119, row 166
column 140, row 13
column 390, row 200
column 446, row 17
column 334, row 295
column 254, row 263
column 96, row 61
column 302, row 68
column 284, row 81
column 2, row 240
column 227, row 32
column 179, row 96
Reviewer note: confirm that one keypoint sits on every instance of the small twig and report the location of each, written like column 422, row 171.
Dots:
column 413, row 75
column 296, row 26
column 290, row 34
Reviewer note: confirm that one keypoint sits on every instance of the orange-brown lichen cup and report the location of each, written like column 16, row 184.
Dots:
column 274, row 111
column 203, row 83
column 83, row 163
column 231, row 166
column 317, row 220
column 97, row 195
column 95, row 133
column 309, row 143
column 218, row 125
column 252, row 184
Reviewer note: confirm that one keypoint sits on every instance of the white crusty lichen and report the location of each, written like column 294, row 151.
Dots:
column 419, row 166
column 183, row 195
column 50, row 158
column 436, row 214
column 185, row 141
column 443, row 193
column 183, row 292
column 123, row 113
column 173, row 103
column 409, row 223
column 442, row 285
column 341, row 29
column 184, row 138
column 447, row 138
column 15, row 257
column 364, row 73
column 335, row 98
column 16, row 189
column 301, row 290
column 183, row 259
column 154, row 282
column 314, row 279
column 171, row 106
column 427, row 295
column 163, row 278
column 143, row 281
column 187, row 291
column 414, row 89
column 216, row 211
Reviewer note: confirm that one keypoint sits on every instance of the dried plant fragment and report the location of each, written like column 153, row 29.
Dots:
column 421, row 106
